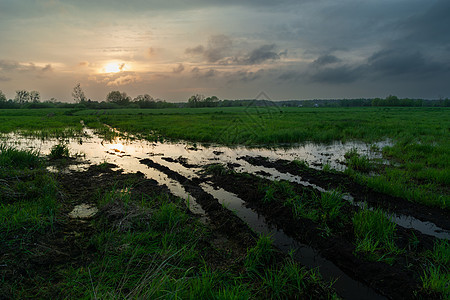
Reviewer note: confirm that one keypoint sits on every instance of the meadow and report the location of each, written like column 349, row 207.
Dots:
column 145, row 242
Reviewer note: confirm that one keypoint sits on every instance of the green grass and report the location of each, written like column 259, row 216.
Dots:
column 436, row 274
column 59, row 151
column 217, row 169
column 260, row 255
column 13, row 159
column 283, row 279
column 159, row 255
column 358, row 162
column 375, row 235
column 42, row 123
column 28, row 197
column 291, row 125
column 420, row 156
column 324, row 208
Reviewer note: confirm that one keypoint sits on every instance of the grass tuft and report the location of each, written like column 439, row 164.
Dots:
column 375, row 235
column 59, row 151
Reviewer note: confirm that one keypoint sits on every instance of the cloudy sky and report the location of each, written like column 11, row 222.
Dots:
column 171, row 49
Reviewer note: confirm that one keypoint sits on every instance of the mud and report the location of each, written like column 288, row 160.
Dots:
column 395, row 282
column 361, row 193
column 222, row 219
column 172, row 169
column 41, row 255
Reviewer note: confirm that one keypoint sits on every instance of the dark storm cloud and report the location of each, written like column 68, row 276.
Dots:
column 218, row 48
column 325, row 60
column 139, row 5
column 431, row 26
column 291, row 76
column 396, row 61
column 245, row 76
column 259, row 55
column 337, row 75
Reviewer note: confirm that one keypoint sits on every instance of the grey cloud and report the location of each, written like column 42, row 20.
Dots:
column 4, row 78
column 139, row 5
column 206, row 74
column 210, row 73
column 291, row 76
column 326, row 60
column 260, row 55
column 8, row 65
column 337, row 75
column 324, row 70
column 178, row 69
column 196, row 50
column 245, row 76
column 47, row 68
column 401, row 61
column 431, row 26
column 218, row 48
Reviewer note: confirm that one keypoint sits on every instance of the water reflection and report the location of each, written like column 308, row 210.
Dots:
column 126, row 153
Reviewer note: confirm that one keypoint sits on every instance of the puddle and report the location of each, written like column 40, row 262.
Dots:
column 405, row 221
column 345, row 286
column 68, row 169
column 83, row 211
column 127, row 153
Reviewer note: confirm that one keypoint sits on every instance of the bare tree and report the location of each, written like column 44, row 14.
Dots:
column 194, row 100
column 22, row 96
column 35, row 96
column 78, row 94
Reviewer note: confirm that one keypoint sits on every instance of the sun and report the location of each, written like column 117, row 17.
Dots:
column 114, row 67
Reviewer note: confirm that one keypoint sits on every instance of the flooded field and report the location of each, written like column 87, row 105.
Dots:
column 242, row 176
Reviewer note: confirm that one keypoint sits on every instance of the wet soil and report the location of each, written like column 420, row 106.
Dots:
column 394, row 282
column 360, row 193
column 222, row 219
column 40, row 256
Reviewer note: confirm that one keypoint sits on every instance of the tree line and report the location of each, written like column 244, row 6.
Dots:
column 117, row 99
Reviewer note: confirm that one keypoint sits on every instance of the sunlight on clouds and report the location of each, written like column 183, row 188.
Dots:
column 114, row 67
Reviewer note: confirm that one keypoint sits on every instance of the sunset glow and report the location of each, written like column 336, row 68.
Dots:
column 231, row 49
column 114, row 68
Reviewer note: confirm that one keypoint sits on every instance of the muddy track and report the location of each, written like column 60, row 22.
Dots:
column 394, row 281
column 210, row 205
column 359, row 192
column 222, row 219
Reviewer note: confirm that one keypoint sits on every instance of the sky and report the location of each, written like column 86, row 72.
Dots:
column 172, row 49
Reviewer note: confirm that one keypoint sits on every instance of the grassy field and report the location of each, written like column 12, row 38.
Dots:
column 420, row 155
column 141, row 245
column 144, row 239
